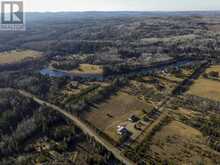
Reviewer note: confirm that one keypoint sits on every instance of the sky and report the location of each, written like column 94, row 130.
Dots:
column 120, row 5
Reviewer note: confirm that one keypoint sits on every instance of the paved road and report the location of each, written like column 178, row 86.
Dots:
column 87, row 130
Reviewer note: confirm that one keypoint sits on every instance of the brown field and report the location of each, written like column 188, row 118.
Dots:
column 215, row 68
column 183, row 145
column 88, row 69
column 214, row 28
column 120, row 107
column 18, row 56
column 206, row 87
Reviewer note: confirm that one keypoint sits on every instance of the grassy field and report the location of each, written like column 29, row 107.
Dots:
column 206, row 87
column 18, row 56
column 183, row 145
column 88, row 69
column 116, row 111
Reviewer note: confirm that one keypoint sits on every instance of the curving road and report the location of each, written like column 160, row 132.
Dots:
column 87, row 130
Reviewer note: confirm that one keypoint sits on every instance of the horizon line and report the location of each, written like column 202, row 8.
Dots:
column 121, row 11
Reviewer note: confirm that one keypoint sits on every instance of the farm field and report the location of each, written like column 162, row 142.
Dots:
column 116, row 111
column 183, row 145
column 18, row 56
column 207, row 88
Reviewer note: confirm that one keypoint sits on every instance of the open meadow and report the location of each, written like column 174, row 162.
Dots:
column 208, row 88
column 18, row 56
column 88, row 69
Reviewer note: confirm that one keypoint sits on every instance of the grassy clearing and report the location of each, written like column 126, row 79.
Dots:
column 89, row 69
column 206, row 88
column 18, row 56
column 183, row 145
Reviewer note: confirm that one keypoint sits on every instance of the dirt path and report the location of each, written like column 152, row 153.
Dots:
column 115, row 151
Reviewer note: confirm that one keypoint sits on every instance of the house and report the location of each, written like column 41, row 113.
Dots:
column 121, row 130
column 133, row 119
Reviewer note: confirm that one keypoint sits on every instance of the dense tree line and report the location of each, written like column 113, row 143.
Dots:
column 13, row 108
